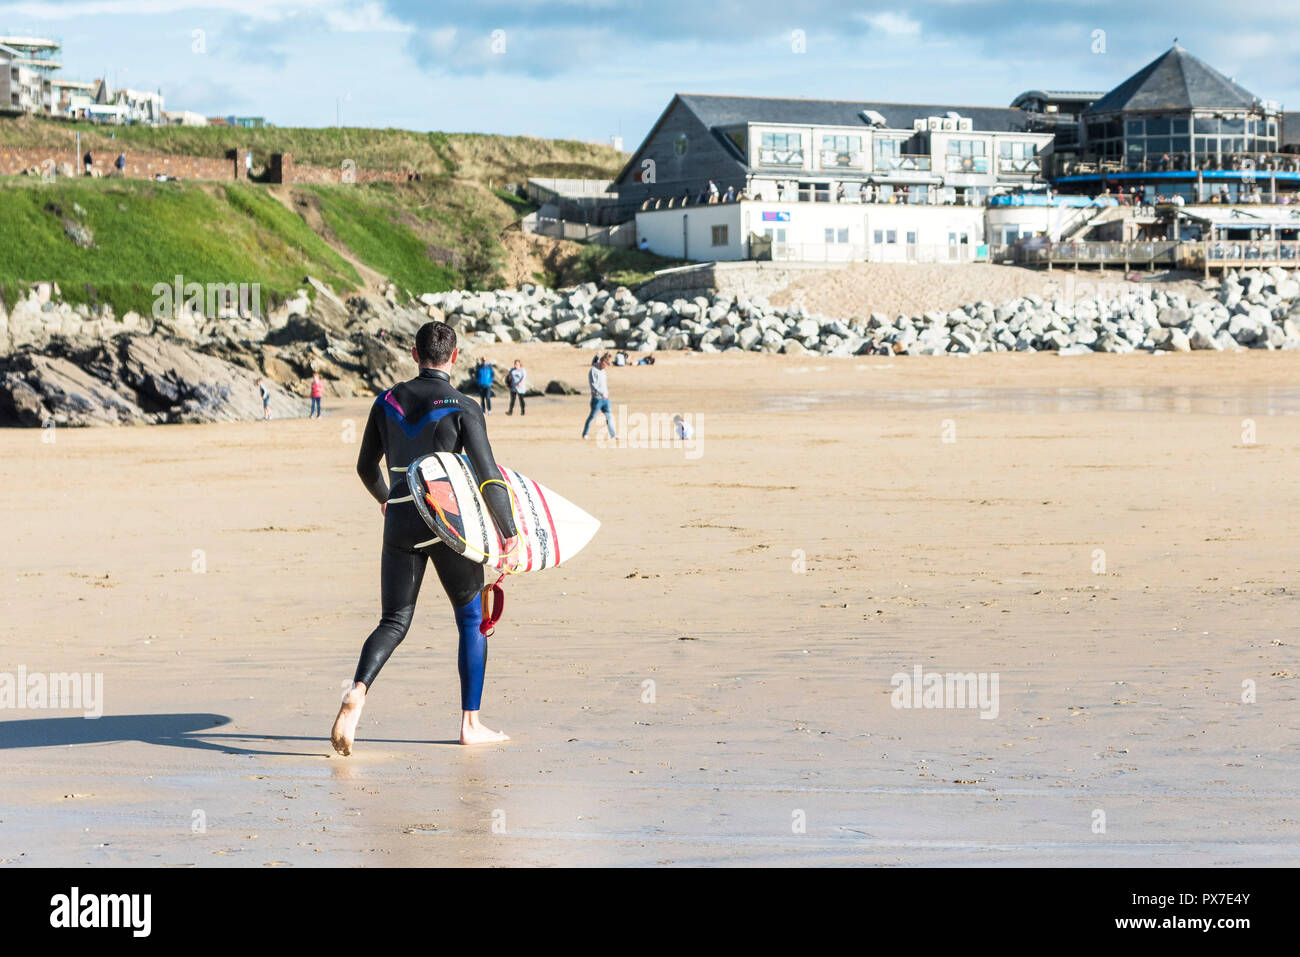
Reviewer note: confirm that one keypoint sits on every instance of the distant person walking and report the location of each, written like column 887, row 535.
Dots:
column 484, row 376
column 88, row 161
column 120, row 163
column 317, row 393
column 517, row 380
column 266, row 400
column 599, row 395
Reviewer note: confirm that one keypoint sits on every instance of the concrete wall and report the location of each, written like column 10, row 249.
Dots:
column 802, row 229
column 1026, row 220
column 744, row 280
column 687, row 232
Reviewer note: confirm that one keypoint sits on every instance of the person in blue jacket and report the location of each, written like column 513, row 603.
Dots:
column 484, row 376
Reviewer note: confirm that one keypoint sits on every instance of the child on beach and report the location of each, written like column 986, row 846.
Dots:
column 317, row 393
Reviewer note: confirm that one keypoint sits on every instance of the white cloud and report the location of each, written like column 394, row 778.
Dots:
column 894, row 24
column 340, row 15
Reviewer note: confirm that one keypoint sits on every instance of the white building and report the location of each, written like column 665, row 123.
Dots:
column 184, row 118
column 140, row 107
column 23, row 88
column 827, row 180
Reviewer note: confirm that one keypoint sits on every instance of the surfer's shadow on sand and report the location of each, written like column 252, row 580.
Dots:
column 169, row 730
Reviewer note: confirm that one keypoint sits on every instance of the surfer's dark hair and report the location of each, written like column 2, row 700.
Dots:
column 435, row 343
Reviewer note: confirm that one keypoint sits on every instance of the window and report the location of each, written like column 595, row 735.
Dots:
column 911, row 238
column 679, row 144
column 891, row 236
column 1018, row 149
column 967, row 156
column 841, row 151
column 878, row 236
column 888, row 152
column 781, row 149
column 842, row 236
column 830, row 234
column 719, row 235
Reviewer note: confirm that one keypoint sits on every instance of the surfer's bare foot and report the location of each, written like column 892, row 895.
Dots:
column 345, row 725
column 473, row 732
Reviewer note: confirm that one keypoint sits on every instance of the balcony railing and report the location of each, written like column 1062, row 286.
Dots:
column 1019, row 164
column 783, row 158
column 903, row 162
column 967, row 164
column 833, row 159
column 1229, row 252
column 1261, row 163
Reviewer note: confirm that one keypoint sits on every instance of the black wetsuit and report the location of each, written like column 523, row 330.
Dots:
column 416, row 418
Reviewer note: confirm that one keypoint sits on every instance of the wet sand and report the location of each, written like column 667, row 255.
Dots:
column 824, row 538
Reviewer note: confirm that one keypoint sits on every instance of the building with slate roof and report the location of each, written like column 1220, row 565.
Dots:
column 729, row 177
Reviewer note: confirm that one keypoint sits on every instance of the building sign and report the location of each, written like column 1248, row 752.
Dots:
column 778, row 217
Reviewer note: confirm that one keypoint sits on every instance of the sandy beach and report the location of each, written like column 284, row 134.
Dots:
column 709, row 682
column 912, row 289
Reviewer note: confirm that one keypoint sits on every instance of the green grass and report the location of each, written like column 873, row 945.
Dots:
column 482, row 158
column 147, row 233
column 518, row 205
column 426, row 237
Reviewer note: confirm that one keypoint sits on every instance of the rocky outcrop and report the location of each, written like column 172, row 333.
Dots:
column 75, row 366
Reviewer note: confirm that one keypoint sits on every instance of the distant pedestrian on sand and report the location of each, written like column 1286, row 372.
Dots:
column 266, row 399
column 317, row 393
column 120, row 163
column 88, row 161
column 484, row 376
column 517, row 380
column 599, row 395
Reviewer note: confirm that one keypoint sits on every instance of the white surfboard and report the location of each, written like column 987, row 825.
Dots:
column 445, row 491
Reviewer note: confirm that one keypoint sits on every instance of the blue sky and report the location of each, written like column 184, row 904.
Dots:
column 590, row 69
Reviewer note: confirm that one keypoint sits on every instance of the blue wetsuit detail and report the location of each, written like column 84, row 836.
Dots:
column 415, row 418
column 472, row 659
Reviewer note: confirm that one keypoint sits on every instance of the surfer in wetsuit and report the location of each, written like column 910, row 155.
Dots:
column 418, row 417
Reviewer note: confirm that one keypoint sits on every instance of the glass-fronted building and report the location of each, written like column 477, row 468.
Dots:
column 1180, row 128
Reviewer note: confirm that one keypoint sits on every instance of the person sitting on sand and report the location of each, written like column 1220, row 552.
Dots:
column 443, row 420
column 682, row 429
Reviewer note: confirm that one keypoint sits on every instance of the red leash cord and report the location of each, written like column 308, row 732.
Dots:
column 490, row 617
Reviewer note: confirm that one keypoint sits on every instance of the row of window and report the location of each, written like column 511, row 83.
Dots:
column 1208, row 135
column 843, row 150
column 833, row 236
